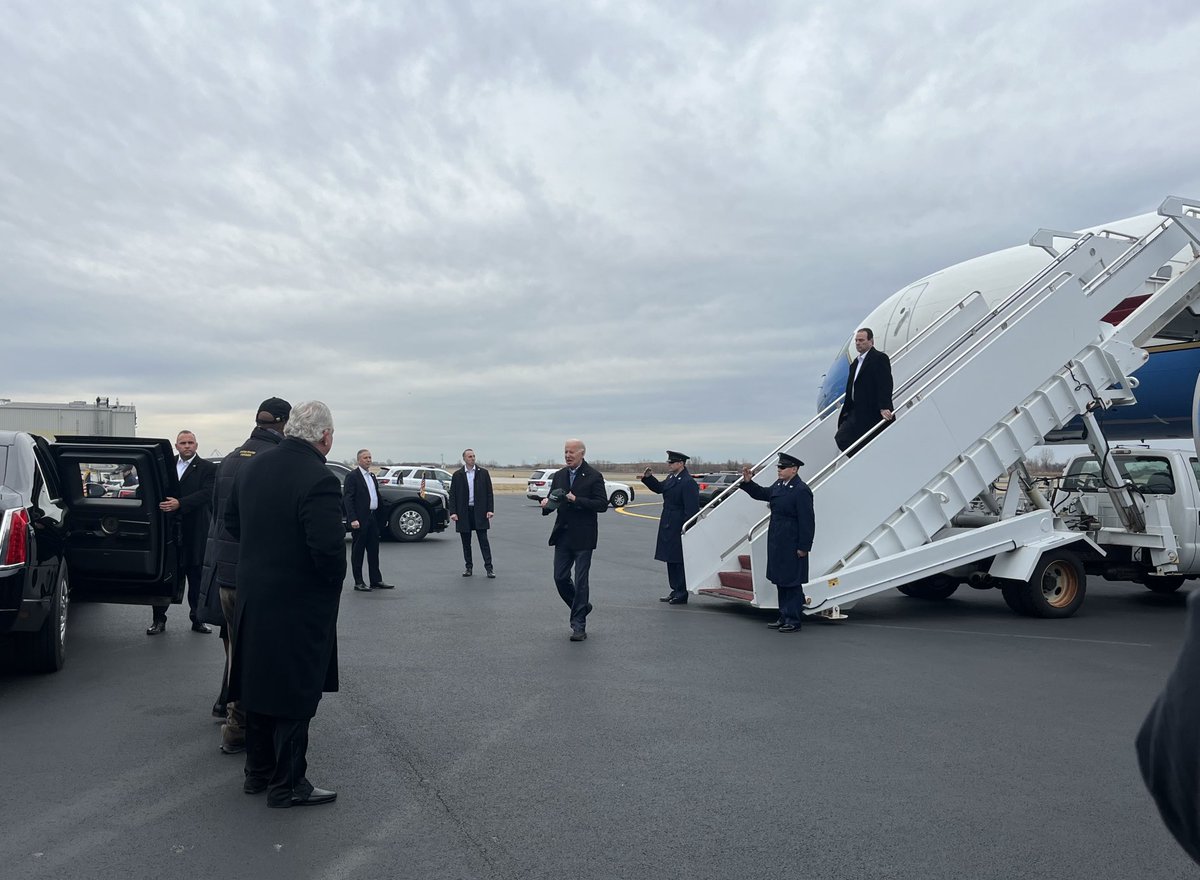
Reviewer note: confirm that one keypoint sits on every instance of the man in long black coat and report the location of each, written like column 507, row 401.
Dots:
column 218, row 583
column 472, row 506
column 577, row 494
column 681, row 501
column 286, row 513
column 194, row 509
column 868, row 397
column 789, row 537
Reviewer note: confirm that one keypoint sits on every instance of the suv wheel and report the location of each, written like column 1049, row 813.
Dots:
column 409, row 522
column 619, row 498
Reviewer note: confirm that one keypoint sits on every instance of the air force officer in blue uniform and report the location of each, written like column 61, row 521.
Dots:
column 789, row 538
column 681, row 501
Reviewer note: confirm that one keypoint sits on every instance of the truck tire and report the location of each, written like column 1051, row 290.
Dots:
column 46, row 649
column 935, row 587
column 409, row 522
column 1056, row 589
column 1166, row 583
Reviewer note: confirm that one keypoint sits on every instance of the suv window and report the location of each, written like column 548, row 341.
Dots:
column 1149, row 474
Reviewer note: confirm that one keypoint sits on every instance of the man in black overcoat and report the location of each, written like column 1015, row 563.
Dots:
column 194, row 509
column 472, row 506
column 286, row 513
column 789, row 537
column 218, row 583
column 681, row 501
column 1168, row 745
column 868, row 397
column 577, row 495
column 360, row 498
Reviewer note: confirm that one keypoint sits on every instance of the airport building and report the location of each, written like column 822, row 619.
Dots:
column 97, row 418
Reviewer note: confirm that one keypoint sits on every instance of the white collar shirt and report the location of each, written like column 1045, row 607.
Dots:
column 181, row 465
column 366, row 475
column 471, row 486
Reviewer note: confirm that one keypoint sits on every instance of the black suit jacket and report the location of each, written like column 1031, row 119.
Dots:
column 285, row 511
column 460, row 496
column 865, row 397
column 575, row 527
column 357, row 500
column 195, row 508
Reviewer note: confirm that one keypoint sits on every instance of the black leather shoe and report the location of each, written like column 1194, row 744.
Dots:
column 201, row 628
column 789, row 628
column 676, row 600
column 665, row 599
column 578, row 636
column 314, row 798
column 467, row 573
column 254, row 785
column 491, row 574
column 775, row 624
column 362, row 588
column 159, row 626
column 383, row 586
column 219, row 709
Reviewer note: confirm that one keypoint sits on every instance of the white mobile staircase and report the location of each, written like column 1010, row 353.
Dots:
column 974, row 393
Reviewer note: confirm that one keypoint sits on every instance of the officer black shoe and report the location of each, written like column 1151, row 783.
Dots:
column 789, row 628
column 775, row 625
column 159, row 626
column 362, row 588
column 467, row 573
column 677, row 600
column 490, row 573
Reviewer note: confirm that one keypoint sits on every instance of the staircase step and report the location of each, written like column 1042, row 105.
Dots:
column 739, row 580
column 744, row 561
column 728, row 593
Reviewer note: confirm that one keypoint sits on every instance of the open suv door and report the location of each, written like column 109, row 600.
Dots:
column 118, row 547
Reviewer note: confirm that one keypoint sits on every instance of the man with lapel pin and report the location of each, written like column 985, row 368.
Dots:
column 789, row 537
column 868, row 393
column 681, row 501
column 194, row 508
column 361, row 500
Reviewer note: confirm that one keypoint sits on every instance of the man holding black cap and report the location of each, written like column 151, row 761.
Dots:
column 789, row 537
column 681, row 501
column 218, row 584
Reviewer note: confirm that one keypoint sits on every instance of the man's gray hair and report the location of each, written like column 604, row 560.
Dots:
column 310, row 420
column 576, row 441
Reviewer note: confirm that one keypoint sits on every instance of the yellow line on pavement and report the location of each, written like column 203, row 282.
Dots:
column 625, row 510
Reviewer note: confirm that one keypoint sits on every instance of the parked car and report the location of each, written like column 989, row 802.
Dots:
column 404, row 514
column 412, row 474
column 60, row 543
column 712, row 485
column 619, row 494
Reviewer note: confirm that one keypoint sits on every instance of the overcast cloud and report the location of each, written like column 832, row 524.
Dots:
column 502, row 224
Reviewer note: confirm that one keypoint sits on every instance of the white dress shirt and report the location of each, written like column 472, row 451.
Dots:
column 471, row 486
column 370, row 488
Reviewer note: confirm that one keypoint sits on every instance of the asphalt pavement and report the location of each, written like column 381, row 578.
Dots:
column 471, row 739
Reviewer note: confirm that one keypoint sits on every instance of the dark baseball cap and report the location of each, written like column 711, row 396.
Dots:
column 273, row 409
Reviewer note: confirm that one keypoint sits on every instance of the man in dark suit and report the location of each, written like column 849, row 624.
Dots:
column 194, row 509
column 868, row 392
column 472, row 506
column 285, row 512
column 577, row 494
column 361, row 499
column 681, row 501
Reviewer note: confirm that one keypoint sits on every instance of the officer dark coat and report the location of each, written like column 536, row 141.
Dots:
column 680, row 502
column 220, row 555
column 793, row 525
column 460, row 496
column 286, row 513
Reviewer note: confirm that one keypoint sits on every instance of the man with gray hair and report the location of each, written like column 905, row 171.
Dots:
column 285, row 512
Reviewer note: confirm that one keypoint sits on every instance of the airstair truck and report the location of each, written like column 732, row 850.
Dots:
column 975, row 391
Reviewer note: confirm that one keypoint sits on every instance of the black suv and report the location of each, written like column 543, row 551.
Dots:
column 712, row 485
column 404, row 513
column 64, row 539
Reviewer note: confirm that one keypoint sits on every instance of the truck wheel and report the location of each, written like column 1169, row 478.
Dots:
column 409, row 522
column 46, row 649
column 619, row 499
column 938, row 586
column 1166, row 583
column 1056, row 588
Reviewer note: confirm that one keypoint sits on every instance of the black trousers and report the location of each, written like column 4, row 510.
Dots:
column 365, row 539
column 574, row 593
column 192, row 574
column 677, row 580
column 485, row 547
column 277, row 751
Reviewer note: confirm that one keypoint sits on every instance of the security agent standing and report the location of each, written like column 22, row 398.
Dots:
column 361, row 499
column 681, row 501
column 577, row 495
column 789, row 537
column 472, row 506
column 285, row 510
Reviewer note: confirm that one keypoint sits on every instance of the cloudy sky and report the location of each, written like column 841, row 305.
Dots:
column 500, row 224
